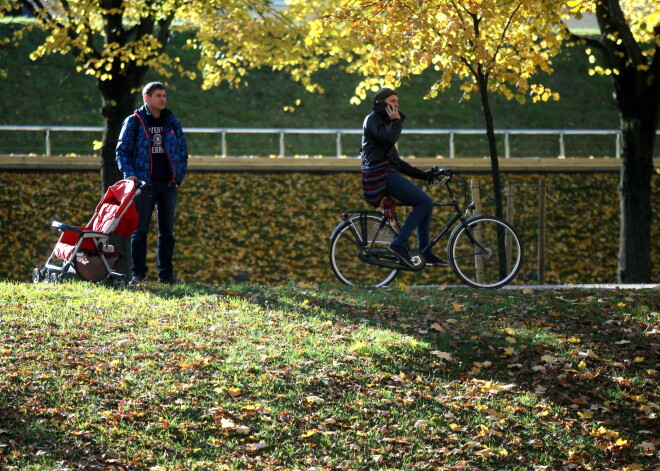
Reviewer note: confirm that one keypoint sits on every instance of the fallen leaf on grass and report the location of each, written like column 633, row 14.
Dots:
column 494, row 388
column 486, row 453
column 648, row 446
column 540, row 390
column 438, row 327
column 123, row 342
column 227, row 423
column 588, row 354
column 257, row 446
column 315, row 399
column 442, row 355
column 549, row 359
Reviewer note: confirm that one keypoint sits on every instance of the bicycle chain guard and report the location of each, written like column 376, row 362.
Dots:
column 386, row 259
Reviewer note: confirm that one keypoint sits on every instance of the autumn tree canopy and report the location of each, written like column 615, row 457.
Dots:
column 118, row 41
column 491, row 46
column 484, row 47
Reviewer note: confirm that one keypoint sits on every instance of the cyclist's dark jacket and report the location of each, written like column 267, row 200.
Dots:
column 379, row 154
column 133, row 152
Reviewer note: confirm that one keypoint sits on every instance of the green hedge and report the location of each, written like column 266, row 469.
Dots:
column 272, row 228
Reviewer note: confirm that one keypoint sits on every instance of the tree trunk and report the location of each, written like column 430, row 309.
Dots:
column 636, row 85
column 492, row 143
column 638, row 119
column 495, row 166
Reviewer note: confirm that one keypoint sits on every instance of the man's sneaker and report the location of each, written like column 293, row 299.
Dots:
column 434, row 261
column 136, row 280
column 401, row 252
column 169, row 281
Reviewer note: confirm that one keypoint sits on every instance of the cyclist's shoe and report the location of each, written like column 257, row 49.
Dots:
column 434, row 261
column 402, row 252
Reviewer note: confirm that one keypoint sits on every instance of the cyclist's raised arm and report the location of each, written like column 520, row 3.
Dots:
column 378, row 127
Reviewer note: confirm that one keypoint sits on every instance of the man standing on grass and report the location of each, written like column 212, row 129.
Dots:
column 152, row 148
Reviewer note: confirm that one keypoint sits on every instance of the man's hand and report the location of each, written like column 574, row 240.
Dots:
column 132, row 177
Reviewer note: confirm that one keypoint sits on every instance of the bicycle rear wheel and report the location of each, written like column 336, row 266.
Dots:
column 358, row 233
column 487, row 253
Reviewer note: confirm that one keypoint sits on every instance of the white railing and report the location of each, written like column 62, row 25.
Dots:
column 338, row 133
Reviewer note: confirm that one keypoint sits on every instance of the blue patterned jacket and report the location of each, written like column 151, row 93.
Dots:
column 134, row 149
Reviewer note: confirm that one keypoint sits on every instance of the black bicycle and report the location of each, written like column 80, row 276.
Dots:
column 483, row 251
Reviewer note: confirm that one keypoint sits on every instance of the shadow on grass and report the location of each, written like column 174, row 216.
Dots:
column 584, row 352
column 30, row 438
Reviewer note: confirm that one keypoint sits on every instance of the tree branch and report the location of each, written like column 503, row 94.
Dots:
column 618, row 22
column 113, row 21
column 655, row 63
column 506, row 28
column 164, row 31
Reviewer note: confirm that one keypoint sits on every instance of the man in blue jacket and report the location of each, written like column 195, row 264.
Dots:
column 152, row 148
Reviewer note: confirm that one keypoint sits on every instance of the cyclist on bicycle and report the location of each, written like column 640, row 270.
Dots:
column 382, row 170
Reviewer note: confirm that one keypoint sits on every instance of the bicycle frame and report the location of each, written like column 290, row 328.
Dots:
column 388, row 260
column 483, row 251
column 453, row 203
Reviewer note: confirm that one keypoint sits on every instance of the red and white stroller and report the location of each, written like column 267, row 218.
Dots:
column 85, row 251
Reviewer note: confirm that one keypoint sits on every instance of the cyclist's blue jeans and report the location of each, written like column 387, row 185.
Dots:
column 402, row 189
column 162, row 197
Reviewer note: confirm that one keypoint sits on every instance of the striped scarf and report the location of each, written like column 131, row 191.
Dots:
column 374, row 182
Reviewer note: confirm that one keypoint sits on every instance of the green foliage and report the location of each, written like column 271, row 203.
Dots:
column 232, row 377
column 272, row 228
column 73, row 98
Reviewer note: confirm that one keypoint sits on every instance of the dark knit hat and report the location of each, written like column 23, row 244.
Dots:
column 383, row 94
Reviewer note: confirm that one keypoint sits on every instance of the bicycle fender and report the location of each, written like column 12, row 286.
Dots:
column 357, row 215
column 339, row 227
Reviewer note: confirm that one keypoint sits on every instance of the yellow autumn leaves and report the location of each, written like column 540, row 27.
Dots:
column 275, row 228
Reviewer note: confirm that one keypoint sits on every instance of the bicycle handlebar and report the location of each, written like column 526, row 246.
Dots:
column 447, row 172
column 441, row 172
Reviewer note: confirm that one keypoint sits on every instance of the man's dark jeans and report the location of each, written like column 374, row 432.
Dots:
column 402, row 189
column 162, row 197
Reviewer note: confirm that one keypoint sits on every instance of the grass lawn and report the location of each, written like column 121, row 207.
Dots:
column 321, row 377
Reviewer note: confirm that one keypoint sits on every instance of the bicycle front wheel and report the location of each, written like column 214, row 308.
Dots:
column 356, row 235
column 486, row 252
